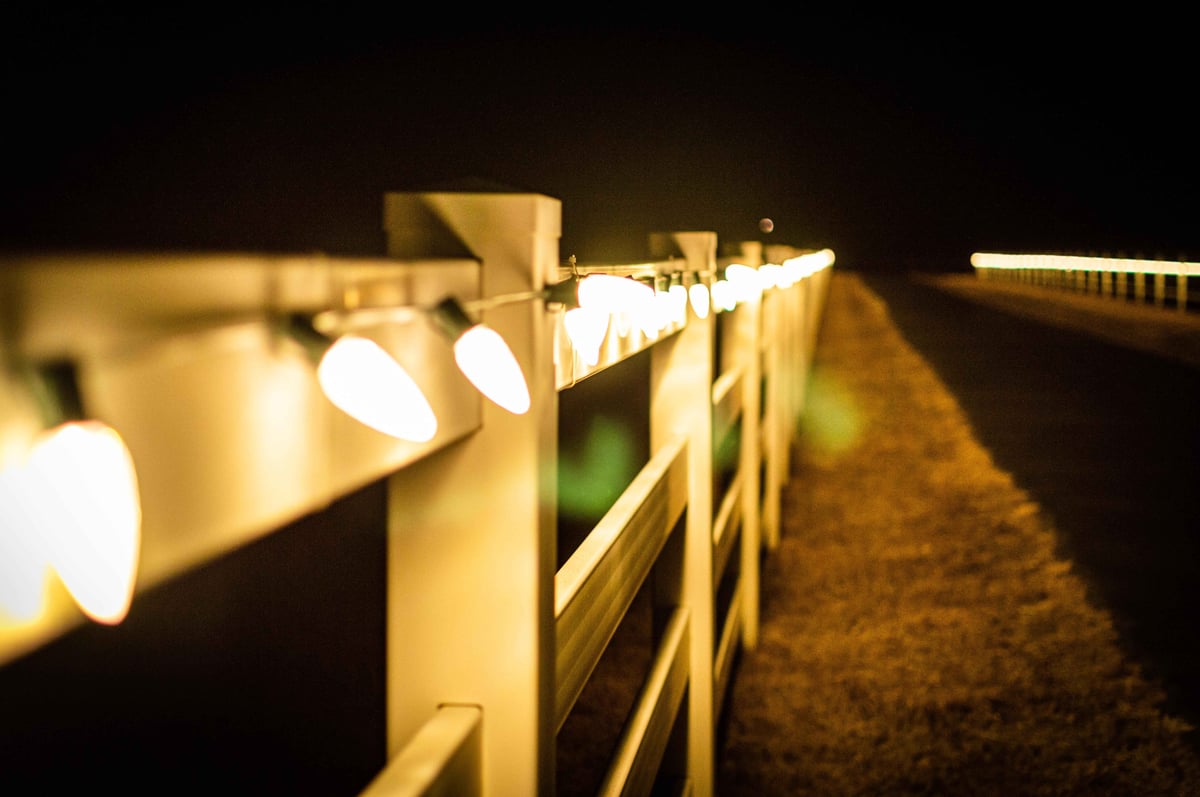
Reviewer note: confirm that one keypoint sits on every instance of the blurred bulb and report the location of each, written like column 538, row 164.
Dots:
column 623, row 323
column 655, row 315
column 586, row 327
column 822, row 259
column 612, row 293
column 83, row 492
column 745, row 281
column 485, row 359
column 365, row 382
column 679, row 303
column 627, row 300
column 723, row 295
column 698, row 296
column 771, row 276
column 793, row 271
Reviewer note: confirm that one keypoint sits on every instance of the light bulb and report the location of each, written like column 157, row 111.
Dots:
column 365, row 382
column 724, row 297
column 698, row 296
column 815, row 261
column 485, row 359
column 679, row 303
column 793, row 270
column 653, row 315
column 771, row 275
column 745, row 281
column 84, row 495
column 586, row 327
column 613, row 294
column 623, row 323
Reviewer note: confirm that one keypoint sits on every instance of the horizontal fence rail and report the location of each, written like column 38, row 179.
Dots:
column 442, row 760
column 391, row 597
column 596, row 585
column 635, row 767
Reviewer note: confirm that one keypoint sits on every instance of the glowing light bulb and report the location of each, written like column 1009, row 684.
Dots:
column 771, row 276
column 612, row 293
column 699, row 297
column 654, row 315
column 485, row 359
column 724, row 297
column 586, row 327
column 84, row 494
column 679, row 303
column 745, row 281
column 793, row 270
column 788, row 276
column 365, row 382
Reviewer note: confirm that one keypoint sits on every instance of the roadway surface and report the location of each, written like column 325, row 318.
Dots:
column 1103, row 431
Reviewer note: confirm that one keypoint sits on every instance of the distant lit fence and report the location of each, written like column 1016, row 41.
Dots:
column 1118, row 277
column 669, row 390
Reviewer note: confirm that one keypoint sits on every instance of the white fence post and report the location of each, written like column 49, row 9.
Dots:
column 472, row 530
column 681, row 404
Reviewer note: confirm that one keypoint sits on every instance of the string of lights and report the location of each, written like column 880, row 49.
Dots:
column 1090, row 273
column 69, row 490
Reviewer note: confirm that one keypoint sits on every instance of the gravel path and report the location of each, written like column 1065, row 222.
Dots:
column 919, row 634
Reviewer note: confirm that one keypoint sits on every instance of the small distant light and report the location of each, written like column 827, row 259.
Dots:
column 745, row 281
column 766, row 225
column 723, row 295
column 700, row 299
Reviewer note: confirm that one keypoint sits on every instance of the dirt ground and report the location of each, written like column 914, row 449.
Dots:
column 919, row 633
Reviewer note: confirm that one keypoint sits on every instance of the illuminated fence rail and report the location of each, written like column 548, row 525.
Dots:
column 533, row 579
column 1116, row 277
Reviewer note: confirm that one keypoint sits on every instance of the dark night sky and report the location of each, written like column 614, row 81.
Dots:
column 897, row 144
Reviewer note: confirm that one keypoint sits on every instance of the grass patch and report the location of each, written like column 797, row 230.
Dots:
column 919, row 634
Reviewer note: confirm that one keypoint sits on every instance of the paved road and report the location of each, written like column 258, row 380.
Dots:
column 1105, row 437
